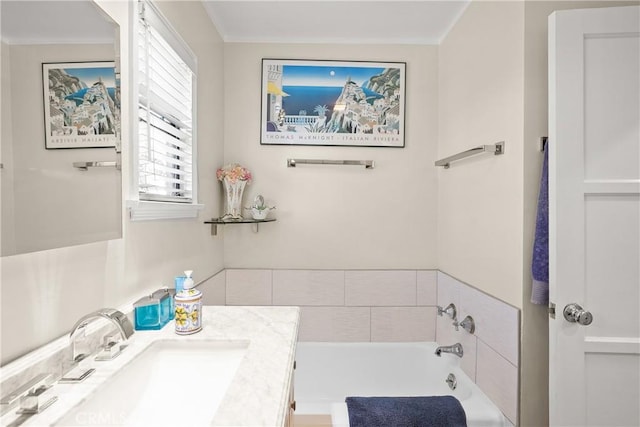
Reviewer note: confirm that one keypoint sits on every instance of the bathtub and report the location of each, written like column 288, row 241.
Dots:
column 329, row 372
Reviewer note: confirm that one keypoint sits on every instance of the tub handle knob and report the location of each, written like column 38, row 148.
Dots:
column 449, row 310
column 468, row 324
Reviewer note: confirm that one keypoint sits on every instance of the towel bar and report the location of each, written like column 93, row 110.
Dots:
column 86, row 165
column 368, row 164
column 497, row 149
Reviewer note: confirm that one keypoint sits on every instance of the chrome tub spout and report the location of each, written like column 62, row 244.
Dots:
column 453, row 349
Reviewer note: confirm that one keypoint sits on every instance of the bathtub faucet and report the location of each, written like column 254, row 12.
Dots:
column 453, row 349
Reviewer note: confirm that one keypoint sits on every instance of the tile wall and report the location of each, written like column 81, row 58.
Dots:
column 491, row 354
column 339, row 305
column 387, row 306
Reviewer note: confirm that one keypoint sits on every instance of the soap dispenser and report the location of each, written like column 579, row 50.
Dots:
column 188, row 316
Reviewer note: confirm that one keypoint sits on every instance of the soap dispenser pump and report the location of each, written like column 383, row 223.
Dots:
column 188, row 315
column 188, row 280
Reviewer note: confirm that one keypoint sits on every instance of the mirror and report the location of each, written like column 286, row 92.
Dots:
column 48, row 203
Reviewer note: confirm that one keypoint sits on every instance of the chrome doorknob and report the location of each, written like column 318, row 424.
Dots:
column 576, row 314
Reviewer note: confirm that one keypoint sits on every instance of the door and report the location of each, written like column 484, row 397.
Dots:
column 594, row 216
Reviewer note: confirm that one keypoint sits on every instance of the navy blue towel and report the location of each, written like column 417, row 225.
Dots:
column 540, row 261
column 418, row 411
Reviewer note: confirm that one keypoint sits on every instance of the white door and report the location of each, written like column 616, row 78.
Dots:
column 594, row 216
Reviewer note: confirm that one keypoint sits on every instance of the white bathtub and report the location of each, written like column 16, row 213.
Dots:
column 329, row 372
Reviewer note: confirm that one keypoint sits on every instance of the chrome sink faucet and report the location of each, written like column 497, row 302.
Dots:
column 453, row 349
column 118, row 318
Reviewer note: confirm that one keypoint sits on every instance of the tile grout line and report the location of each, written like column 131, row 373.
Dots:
column 435, row 313
column 416, row 284
column 370, row 326
column 344, row 288
column 271, row 286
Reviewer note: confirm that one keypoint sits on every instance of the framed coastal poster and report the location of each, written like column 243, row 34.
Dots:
column 81, row 108
column 329, row 103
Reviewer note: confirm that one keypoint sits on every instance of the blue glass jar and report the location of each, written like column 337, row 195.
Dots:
column 154, row 311
column 147, row 314
column 167, row 309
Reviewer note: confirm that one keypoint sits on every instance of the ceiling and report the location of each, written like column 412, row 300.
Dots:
column 266, row 21
column 337, row 21
column 54, row 22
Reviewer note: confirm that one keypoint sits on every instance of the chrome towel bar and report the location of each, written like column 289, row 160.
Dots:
column 86, row 165
column 368, row 164
column 497, row 149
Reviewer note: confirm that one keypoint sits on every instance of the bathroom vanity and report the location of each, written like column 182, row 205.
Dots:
column 237, row 371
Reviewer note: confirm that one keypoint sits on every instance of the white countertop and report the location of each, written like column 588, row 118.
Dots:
column 259, row 392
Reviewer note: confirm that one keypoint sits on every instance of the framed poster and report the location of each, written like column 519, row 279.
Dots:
column 332, row 103
column 81, row 106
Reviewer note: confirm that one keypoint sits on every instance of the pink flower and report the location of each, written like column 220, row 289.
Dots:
column 234, row 172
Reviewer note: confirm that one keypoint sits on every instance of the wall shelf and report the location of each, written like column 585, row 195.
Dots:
column 219, row 221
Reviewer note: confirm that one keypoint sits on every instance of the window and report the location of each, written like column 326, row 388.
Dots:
column 166, row 140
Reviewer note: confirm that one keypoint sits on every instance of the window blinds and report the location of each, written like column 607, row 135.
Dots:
column 165, row 113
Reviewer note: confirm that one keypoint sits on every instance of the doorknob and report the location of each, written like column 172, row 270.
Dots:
column 576, row 314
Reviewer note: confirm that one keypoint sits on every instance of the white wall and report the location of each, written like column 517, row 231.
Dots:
column 335, row 217
column 481, row 199
column 480, row 230
column 44, row 293
column 481, row 226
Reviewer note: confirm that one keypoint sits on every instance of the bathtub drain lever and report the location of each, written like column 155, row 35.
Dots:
column 452, row 381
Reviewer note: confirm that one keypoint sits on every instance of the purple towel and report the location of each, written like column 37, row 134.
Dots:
column 540, row 261
column 417, row 411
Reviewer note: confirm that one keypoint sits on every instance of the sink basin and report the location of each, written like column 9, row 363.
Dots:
column 170, row 383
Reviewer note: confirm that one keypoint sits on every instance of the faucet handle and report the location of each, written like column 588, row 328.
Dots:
column 450, row 310
column 31, row 403
column 468, row 324
column 110, row 339
column 110, row 347
column 29, row 396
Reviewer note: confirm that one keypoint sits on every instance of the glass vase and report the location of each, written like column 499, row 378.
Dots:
column 233, row 192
